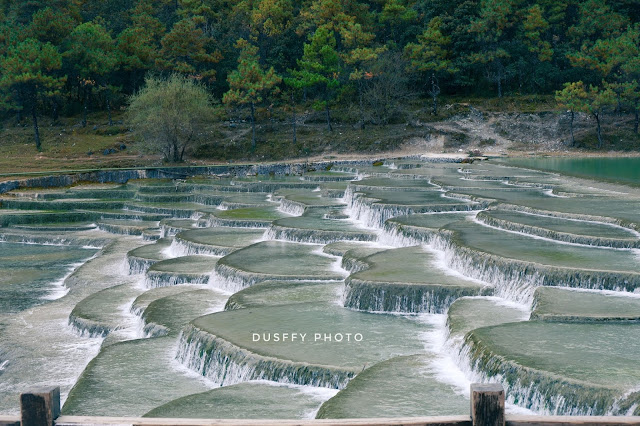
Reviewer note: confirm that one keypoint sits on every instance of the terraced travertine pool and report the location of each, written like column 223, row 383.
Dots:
column 359, row 291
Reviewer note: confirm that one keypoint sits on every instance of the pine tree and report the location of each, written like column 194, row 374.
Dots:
column 138, row 45
column 320, row 67
column 249, row 83
column 29, row 69
column 431, row 55
column 90, row 57
column 573, row 98
column 592, row 100
column 188, row 50
column 492, row 31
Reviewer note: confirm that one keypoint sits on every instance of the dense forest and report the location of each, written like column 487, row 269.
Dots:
column 65, row 57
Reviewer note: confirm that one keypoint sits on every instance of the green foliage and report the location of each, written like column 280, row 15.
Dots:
column 249, row 82
column 170, row 114
column 31, row 64
column 431, row 55
column 592, row 100
column 188, row 50
column 334, row 53
column 90, row 52
column 27, row 72
column 320, row 65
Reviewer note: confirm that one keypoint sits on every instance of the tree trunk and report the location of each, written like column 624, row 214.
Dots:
column 293, row 119
column 20, row 107
column 360, row 95
column 175, row 149
column 253, row 127
column 499, row 76
column 36, row 130
column 435, row 91
column 108, row 107
column 573, row 139
column 635, row 127
column 597, row 117
column 182, row 152
column 54, row 112
column 84, row 107
column 326, row 107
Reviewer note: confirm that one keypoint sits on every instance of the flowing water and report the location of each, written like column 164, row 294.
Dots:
column 359, row 291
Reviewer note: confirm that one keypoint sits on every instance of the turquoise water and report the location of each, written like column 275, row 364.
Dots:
column 618, row 169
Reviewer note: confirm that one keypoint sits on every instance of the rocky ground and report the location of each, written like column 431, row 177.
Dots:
column 460, row 128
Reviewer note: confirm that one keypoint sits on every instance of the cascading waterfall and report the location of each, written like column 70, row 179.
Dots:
column 227, row 364
column 223, row 259
column 293, row 208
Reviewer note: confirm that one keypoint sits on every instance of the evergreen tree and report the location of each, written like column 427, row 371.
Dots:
column 90, row 58
column 431, row 55
column 29, row 69
column 592, row 100
column 188, row 50
column 249, row 83
column 493, row 36
column 320, row 68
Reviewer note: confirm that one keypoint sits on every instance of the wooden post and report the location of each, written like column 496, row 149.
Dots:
column 40, row 407
column 487, row 404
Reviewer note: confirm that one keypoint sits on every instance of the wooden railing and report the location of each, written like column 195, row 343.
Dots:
column 41, row 407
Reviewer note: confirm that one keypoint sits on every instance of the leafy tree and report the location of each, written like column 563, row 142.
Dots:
column 90, row 58
column 431, row 54
column 320, row 67
column 29, row 68
column 170, row 114
column 387, row 90
column 249, row 83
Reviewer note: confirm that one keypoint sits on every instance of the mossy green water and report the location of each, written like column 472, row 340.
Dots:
column 399, row 387
column 561, row 367
column 468, row 313
column 269, row 293
column 283, row 259
column 558, row 304
column 522, row 247
column 240, row 327
column 243, row 401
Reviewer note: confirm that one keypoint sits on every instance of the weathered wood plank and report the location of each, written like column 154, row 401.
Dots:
column 410, row 421
column 511, row 420
column 516, row 420
column 9, row 420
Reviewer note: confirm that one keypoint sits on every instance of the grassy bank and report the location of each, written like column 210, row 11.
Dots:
column 462, row 124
